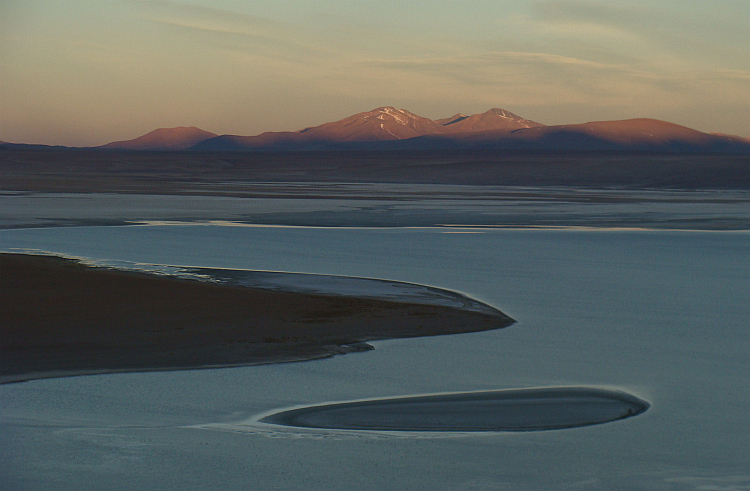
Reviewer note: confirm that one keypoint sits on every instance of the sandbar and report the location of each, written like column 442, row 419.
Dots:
column 537, row 409
column 61, row 317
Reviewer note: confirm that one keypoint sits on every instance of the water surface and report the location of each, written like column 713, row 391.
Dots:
column 660, row 315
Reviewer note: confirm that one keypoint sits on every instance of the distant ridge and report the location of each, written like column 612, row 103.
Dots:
column 180, row 138
column 389, row 128
column 30, row 146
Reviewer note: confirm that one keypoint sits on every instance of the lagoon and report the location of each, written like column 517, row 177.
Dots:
column 661, row 315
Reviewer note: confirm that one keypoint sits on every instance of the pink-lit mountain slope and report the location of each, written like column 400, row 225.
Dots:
column 381, row 124
column 494, row 119
column 180, row 138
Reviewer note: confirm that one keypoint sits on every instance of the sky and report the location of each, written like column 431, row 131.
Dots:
column 88, row 72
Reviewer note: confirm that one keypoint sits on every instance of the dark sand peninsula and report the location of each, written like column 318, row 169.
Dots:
column 61, row 318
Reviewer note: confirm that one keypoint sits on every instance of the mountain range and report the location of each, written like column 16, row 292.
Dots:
column 388, row 128
column 369, row 130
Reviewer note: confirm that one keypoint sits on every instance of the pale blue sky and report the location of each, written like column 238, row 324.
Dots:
column 89, row 72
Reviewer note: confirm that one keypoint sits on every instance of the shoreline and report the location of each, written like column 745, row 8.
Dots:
column 64, row 318
column 388, row 206
column 446, row 228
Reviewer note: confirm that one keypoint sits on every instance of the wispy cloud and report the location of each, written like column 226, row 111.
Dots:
column 591, row 20
column 235, row 32
column 649, row 32
column 543, row 79
column 208, row 18
column 587, row 13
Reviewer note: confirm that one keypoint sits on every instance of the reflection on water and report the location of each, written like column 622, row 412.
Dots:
column 661, row 315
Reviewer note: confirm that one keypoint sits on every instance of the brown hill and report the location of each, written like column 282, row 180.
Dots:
column 180, row 138
column 732, row 137
column 648, row 135
column 629, row 131
column 630, row 134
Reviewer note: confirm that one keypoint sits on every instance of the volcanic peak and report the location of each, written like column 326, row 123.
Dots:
column 398, row 114
column 382, row 123
column 494, row 119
